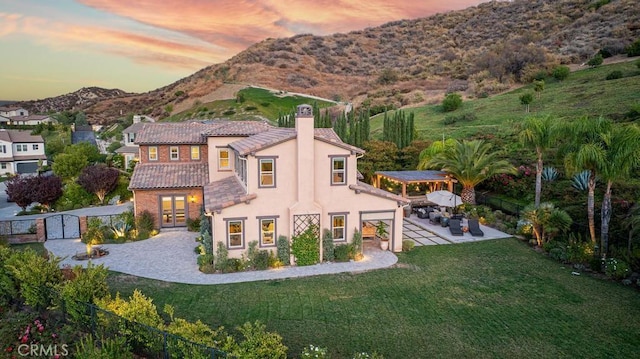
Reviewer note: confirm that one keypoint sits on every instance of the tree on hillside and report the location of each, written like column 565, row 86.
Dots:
column 595, row 61
column 470, row 162
column 538, row 87
column 585, row 150
column 399, row 128
column 526, row 99
column 379, row 156
column 561, row 72
column 540, row 134
column 452, row 101
column 622, row 155
column 99, row 180
column 20, row 190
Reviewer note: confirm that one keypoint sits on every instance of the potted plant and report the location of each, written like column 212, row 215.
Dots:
column 381, row 231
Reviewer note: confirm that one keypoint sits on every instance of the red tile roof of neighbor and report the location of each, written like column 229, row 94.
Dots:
column 169, row 175
column 196, row 132
column 367, row 188
column 225, row 193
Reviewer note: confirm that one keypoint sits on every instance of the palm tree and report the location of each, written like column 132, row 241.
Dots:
column 585, row 151
column 470, row 162
column 622, row 151
column 546, row 221
column 436, row 147
column 539, row 133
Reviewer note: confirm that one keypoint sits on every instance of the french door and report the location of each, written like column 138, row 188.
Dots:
column 174, row 211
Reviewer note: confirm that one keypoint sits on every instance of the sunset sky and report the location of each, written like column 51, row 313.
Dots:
column 49, row 48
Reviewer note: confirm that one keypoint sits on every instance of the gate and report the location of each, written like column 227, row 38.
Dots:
column 62, row 226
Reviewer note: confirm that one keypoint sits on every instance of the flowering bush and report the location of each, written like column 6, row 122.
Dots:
column 315, row 352
column 515, row 186
column 616, row 268
column 24, row 336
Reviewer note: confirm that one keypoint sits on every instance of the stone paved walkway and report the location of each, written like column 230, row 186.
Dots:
column 170, row 257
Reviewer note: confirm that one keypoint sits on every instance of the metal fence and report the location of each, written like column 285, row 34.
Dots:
column 498, row 203
column 17, row 226
column 146, row 341
column 107, row 219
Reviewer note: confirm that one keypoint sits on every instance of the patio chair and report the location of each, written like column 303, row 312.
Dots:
column 474, row 228
column 434, row 218
column 455, row 227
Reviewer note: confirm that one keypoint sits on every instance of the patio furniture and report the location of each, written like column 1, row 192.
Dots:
column 444, row 221
column 459, row 216
column 422, row 213
column 434, row 218
column 474, row 228
column 368, row 230
column 455, row 227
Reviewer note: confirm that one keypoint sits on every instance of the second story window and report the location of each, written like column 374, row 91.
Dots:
column 174, row 153
column 132, row 137
column 223, row 159
column 195, row 153
column 338, row 170
column 3, row 149
column 35, row 147
column 21, row 148
column 153, row 153
column 267, row 169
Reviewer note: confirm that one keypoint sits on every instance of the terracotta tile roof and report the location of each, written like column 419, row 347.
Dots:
column 17, row 136
column 128, row 149
column 237, row 128
column 263, row 140
column 369, row 189
column 328, row 135
column 169, row 175
column 172, row 133
column 225, row 193
column 135, row 128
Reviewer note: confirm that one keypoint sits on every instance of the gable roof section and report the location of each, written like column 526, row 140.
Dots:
column 172, row 133
column 362, row 187
column 169, row 175
column 134, row 128
column 329, row 136
column 223, row 128
column 17, row 136
column 263, row 140
column 225, row 193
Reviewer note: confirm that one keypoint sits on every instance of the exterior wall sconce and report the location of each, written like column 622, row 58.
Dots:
column 192, row 199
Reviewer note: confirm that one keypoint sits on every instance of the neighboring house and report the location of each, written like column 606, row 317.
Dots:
column 257, row 182
column 20, row 152
column 83, row 133
column 130, row 150
column 30, row 120
column 13, row 111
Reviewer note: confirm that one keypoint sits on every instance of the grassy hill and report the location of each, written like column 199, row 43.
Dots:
column 251, row 102
column 584, row 93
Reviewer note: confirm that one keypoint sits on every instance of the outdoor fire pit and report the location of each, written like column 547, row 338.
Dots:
column 96, row 252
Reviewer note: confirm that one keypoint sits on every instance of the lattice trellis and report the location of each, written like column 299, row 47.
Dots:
column 301, row 222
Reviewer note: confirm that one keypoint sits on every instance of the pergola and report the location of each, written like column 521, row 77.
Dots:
column 435, row 180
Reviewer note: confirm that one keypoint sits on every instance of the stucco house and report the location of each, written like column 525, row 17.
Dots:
column 12, row 111
column 257, row 182
column 20, row 152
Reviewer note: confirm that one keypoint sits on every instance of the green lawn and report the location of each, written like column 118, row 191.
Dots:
column 257, row 102
column 492, row 299
column 584, row 92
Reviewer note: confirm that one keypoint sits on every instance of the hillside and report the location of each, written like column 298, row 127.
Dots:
column 81, row 99
column 480, row 50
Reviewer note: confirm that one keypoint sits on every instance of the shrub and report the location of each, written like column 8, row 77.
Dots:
column 284, row 254
column 106, row 348
column 305, row 247
column 314, row 352
column 407, row 245
column 262, row 259
column 561, row 73
column 229, row 112
column 634, row 49
column 73, row 197
column 8, row 288
column 595, row 61
column 616, row 268
column 205, row 263
column 357, row 245
column 223, row 257
column 342, row 252
column 37, row 277
column 86, row 286
column 614, row 75
column 94, row 233
column 327, row 246
column 258, row 343
column 451, row 102
column 193, row 224
column 145, row 224
column 558, row 254
column 579, row 250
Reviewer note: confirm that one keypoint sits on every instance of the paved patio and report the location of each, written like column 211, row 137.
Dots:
column 170, row 257
column 423, row 233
